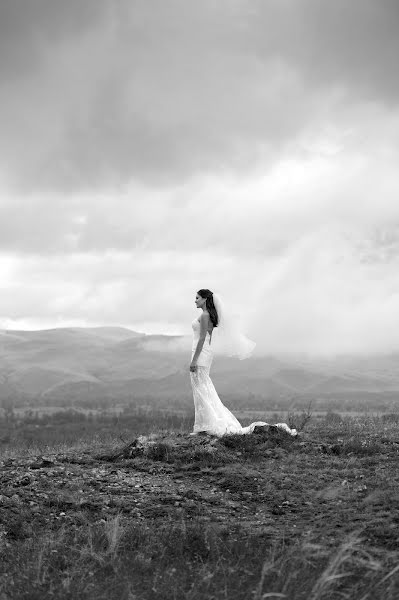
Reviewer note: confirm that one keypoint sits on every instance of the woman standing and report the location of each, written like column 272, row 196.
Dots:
column 211, row 416
column 210, row 413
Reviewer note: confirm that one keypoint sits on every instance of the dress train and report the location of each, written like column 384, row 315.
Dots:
column 211, row 415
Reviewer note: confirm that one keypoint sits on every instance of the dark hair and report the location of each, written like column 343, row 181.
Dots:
column 210, row 307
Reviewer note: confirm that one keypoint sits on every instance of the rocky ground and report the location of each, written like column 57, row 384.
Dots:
column 326, row 493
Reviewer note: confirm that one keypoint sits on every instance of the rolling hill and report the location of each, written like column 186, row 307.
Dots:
column 115, row 363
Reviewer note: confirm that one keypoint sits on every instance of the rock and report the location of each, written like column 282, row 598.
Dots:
column 43, row 462
column 25, row 480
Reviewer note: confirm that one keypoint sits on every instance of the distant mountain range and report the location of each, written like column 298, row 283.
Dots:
column 74, row 364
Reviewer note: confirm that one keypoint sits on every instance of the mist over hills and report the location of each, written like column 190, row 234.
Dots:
column 75, row 364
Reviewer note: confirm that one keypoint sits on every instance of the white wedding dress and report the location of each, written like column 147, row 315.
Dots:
column 211, row 415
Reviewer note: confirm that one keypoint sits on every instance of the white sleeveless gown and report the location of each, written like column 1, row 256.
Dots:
column 211, row 415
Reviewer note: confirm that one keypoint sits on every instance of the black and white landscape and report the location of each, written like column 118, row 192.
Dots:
column 64, row 366
column 150, row 149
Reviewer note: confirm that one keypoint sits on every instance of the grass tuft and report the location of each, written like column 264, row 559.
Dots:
column 116, row 561
column 176, row 516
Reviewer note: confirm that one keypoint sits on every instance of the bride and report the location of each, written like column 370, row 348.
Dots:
column 211, row 416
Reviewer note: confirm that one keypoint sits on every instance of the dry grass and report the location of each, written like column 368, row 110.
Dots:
column 187, row 560
column 244, row 517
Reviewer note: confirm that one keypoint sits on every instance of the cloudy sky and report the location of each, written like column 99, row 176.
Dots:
column 152, row 147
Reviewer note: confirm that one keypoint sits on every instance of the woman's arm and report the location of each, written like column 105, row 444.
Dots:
column 204, row 322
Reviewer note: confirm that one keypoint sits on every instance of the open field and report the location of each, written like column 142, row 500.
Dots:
column 176, row 516
column 39, row 427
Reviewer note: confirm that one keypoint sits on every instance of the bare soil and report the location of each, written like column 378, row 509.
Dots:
column 321, row 511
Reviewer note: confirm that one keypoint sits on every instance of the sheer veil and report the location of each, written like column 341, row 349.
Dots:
column 227, row 337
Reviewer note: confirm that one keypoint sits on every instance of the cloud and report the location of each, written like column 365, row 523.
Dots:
column 307, row 255
column 345, row 176
column 330, row 294
column 29, row 31
column 351, row 46
column 98, row 94
column 152, row 149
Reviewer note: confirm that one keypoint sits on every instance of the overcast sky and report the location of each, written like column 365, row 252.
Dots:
column 149, row 148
